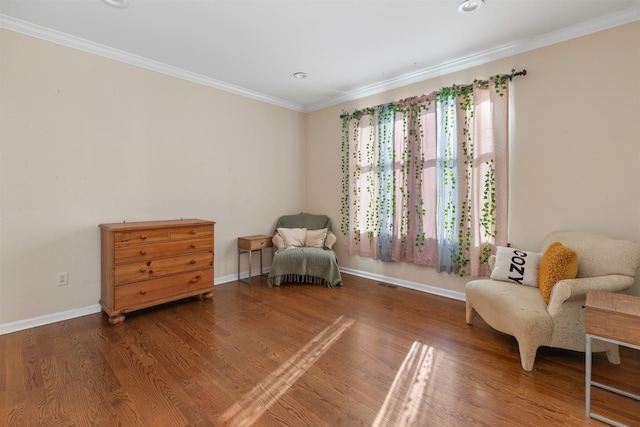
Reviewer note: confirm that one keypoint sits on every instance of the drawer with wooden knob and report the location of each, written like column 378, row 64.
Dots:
column 199, row 232
column 159, row 250
column 154, row 268
column 152, row 292
column 253, row 243
column 141, row 236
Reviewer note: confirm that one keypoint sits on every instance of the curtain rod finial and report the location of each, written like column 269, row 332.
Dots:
column 519, row 73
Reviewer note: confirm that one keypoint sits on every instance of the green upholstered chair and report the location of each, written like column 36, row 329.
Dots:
column 303, row 251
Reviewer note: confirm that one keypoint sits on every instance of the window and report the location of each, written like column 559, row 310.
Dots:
column 425, row 179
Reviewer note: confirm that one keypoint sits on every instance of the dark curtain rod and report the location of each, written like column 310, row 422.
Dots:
column 518, row 73
column 513, row 74
column 501, row 78
column 509, row 76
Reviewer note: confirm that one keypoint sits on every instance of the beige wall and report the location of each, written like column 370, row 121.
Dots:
column 86, row 140
column 575, row 154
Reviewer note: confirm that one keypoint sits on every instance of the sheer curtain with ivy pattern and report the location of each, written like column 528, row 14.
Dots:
column 425, row 179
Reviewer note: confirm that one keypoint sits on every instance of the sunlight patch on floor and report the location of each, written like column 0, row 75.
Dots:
column 406, row 400
column 257, row 401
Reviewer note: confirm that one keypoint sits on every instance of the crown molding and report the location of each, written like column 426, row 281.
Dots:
column 57, row 37
column 519, row 46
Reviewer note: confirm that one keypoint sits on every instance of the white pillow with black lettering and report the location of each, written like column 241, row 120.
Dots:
column 517, row 266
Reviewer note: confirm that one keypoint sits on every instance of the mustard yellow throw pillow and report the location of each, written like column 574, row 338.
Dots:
column 558, row 263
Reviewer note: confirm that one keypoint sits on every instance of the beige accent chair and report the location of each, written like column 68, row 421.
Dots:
column 519, row 310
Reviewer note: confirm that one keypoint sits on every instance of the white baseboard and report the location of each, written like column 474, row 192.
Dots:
column 243, row 275
column 379, row 278
column 20, row 325
column 33, row 322
column 407, row 284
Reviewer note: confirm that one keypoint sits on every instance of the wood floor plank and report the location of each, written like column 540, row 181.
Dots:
column 364, row 354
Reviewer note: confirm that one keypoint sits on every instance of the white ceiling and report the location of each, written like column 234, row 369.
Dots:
column 348, row 48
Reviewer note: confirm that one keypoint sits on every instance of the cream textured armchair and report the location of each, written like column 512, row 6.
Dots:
column 519, row 310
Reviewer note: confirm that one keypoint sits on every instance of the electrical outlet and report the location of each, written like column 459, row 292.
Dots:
column 62, row 279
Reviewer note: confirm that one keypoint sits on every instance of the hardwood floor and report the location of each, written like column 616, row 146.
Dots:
column 365, row 354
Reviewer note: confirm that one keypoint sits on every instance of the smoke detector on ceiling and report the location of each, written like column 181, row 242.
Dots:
column 470, row 5
column 120, row 4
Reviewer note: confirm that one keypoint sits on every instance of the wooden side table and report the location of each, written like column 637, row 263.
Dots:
column 614, row 318
column 248, row 244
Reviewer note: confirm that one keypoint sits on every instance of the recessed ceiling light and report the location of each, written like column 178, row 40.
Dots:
column 120, row 4
column 470, row 5
column 300, row 75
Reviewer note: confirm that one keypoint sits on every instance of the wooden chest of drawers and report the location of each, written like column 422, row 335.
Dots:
column 153, row 262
